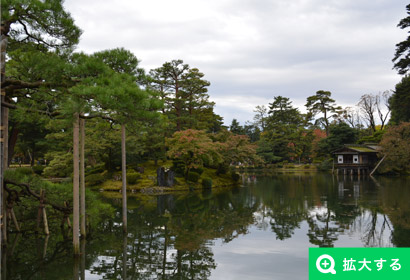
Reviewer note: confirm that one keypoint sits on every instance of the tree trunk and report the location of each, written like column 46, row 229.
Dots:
column 124, row 179
column 2, row 214
column 82, row 179
column 124, row 256
column 326, row 123
column 33, row 161
column 12, row 142
column 3, row 49
column 76, row 204
column 5, row 114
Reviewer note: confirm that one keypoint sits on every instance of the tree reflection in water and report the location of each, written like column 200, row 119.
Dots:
column 172, row 236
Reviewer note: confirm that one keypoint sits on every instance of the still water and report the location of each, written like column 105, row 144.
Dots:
column 260, row 230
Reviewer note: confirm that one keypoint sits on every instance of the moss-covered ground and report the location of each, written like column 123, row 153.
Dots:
column 147, row 183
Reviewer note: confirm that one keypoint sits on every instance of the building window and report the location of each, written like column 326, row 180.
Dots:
column 339, row 159
column 355, row 158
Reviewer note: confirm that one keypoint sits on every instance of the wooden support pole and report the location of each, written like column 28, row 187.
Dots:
column 377, row 166
column 13, row 216
column 4, row 221
column 82, row 261
column 45, row 246
column 82, row 179
column 6, row 138
column 40, row 211
column 124, row 179
column 124, row 255
column 76, row 268
column 76, row 187
column 13, row 247
column 66, row 218
column 46, row 231
column 42, row 214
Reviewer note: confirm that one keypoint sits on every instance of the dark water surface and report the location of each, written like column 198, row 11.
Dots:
column 261, row 230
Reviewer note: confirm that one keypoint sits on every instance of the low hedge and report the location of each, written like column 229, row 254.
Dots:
column 94, row 179
column 198, row 170
column 38, row 169
column 193, row 177
column 132, row 178
column 207, row 183
column 222, row 169
column 235, row 176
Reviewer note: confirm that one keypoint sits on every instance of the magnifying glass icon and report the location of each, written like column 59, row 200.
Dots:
column 326, row 264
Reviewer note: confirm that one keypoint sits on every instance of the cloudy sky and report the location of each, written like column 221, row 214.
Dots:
column 253, row 50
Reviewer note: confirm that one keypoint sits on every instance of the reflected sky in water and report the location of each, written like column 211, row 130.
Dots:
column 261, row 230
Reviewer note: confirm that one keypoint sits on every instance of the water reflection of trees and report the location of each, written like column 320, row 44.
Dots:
column 330, row 206
column 172, row 240
column 170, row 236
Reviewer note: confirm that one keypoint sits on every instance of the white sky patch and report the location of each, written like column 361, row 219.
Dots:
column 255, row 50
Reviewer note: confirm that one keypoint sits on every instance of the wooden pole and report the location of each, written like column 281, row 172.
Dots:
column 13, row 247
column 40, row 211
column 82, row 261
column 6, row 138
column 66, row 218
column 76, row 181
column 13, row 216
column 82, row 179
column 4, row 221
column 124, row 256
column 124, row 179
column 3, row 50
column 76, row 268
column 45, row 246
column 377, row 166
column 46, row 231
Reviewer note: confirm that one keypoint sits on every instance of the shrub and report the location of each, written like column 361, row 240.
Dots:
column 94, row 179
column 325, row 165
column 132, row 178
column 206, row 161
column 60, row 166
column 193, row 177
column 179, row 168
column 198, row 170
column 107, row 174
column 38, row 169
column 207, row 183
column 25, row 171
column 307, row 166
column 94, row 170
column 222, row 169
column 58, row 193
column 235, row 176
column 290, row 166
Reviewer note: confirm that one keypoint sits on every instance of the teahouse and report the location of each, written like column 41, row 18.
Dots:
column 355, row 159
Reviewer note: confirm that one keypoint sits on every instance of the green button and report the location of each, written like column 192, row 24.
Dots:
column 359, row 263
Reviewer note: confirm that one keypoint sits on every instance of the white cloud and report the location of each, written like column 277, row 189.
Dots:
column 253, row 50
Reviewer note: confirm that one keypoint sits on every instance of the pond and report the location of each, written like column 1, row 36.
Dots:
column 259, row 230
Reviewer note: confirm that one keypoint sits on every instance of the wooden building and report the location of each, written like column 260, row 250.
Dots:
column 355, row 159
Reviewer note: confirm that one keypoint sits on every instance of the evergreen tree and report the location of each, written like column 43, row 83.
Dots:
column 37, row 26
column 284, row 131
column 322, row 103
column 236, row 128
column 184, row 93
column 402, row 55
column 400, row 102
